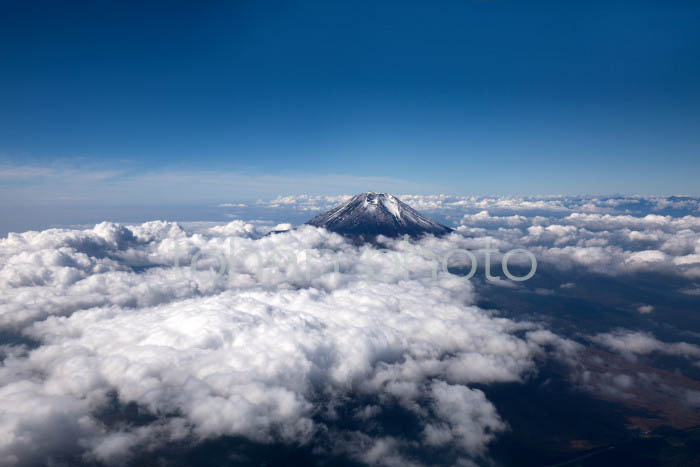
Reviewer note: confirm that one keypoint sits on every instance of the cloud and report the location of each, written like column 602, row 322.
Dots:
column 457, row 407
column 632, row 343
column 231, row 330
column 127, row 184
column 304, row 202
column 611, row 244
column 239, row 341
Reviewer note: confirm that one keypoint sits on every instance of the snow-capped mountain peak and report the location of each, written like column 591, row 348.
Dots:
column 370, row 214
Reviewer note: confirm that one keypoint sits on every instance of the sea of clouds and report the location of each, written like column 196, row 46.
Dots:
column 230, row 330
column 613, row 235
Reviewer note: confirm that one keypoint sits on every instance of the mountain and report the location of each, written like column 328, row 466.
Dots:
column 370, row 214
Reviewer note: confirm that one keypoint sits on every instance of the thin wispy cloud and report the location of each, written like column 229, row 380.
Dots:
column 39, row 184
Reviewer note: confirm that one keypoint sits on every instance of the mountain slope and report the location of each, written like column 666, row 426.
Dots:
column 370, row 214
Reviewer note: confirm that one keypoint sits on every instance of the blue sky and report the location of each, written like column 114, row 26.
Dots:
column 120, row 101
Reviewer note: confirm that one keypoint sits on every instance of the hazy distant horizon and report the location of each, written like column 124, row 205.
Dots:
column 295, row 209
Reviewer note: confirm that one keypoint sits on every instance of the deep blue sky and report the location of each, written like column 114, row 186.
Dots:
column 460, row 97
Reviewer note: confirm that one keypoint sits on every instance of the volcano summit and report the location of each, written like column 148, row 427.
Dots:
column 367, row 215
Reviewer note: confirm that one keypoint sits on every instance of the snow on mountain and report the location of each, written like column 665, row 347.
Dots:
column 370, row 214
